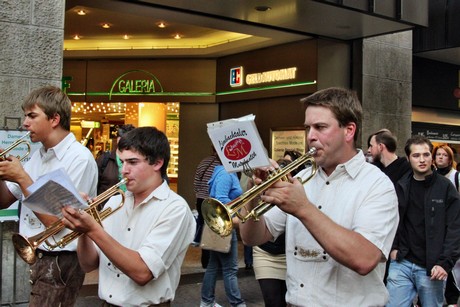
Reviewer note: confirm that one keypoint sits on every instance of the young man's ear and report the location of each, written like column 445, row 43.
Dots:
column 55, row 120
column 158, row 164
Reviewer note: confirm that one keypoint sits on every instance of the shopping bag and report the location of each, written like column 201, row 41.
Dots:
column 212, row 241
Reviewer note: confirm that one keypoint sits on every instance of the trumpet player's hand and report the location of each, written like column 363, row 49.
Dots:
column 11, row 170
column 288, row 195
column 78, row 220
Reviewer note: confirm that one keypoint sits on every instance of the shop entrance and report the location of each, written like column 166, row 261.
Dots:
column 95, row 125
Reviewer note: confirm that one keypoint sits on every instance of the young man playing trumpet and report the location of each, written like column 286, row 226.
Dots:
column 140, row 248
column 56, row 276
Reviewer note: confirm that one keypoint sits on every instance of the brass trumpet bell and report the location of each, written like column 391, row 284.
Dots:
column 218, row 216
column 26, row 247
column 15, row 144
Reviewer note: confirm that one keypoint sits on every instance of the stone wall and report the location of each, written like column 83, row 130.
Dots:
column 31, row 51
column 31, row 55
column 382, row 74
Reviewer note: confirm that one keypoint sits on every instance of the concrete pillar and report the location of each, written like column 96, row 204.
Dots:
column 31, row 55
column 382, row 75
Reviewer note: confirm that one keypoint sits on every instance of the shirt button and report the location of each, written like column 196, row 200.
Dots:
column 319, row 207
column 129, row 229
column 301, row 285
column 327, row 182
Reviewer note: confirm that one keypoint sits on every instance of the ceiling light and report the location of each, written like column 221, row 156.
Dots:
column 76, row 36
column 125, row 36
column 106, row 25
column 177, row 36
column 161, row 25
column 81, row 12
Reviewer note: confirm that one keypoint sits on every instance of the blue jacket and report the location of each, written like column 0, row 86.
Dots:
column 224, row 186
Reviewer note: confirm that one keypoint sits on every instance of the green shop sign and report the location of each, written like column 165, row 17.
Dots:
column 124, row 85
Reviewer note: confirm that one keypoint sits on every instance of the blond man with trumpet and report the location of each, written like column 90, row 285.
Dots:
column 47, row 113
column 140, row 248
column 340, row 225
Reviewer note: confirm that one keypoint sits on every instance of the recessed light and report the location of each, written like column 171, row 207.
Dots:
column 81, row 12
column 161, row 25
column 262, row 8
column 177, row 36
column 125, row 36
column 105, row 25
column 76, row 36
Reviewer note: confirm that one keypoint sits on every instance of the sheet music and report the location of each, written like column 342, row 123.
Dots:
column 51, row 192
column 238, row 143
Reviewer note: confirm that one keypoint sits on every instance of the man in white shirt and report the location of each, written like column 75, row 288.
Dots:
column 140, row 249
column 340, row 225
column 47, row 116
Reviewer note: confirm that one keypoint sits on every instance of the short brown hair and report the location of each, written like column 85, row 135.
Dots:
column 343, row 103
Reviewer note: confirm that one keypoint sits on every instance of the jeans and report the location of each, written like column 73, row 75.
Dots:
column 406, row 279
column 229, row 263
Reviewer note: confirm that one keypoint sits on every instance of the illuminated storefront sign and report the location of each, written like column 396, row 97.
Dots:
column 236, row 76
column 129, row 83
column 272, row 76
column 90, row 124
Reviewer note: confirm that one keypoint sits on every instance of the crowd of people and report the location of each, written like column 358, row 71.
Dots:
column 369, row 229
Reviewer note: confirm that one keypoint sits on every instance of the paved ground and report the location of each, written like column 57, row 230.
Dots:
column 188, row 293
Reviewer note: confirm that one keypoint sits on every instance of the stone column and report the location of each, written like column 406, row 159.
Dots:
column 382, row 75
column 31, row 55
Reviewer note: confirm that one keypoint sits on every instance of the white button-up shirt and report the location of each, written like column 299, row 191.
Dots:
column 78, row 163
column 160, row 229
column 359, row 197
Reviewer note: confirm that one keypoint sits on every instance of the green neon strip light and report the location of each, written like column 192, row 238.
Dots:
column 274, row 87
column 197, row 94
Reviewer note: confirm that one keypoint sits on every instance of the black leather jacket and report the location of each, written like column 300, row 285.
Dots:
column 442, row 221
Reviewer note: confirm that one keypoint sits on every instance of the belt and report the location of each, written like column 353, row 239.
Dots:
column 42, row 253
column 164, row 304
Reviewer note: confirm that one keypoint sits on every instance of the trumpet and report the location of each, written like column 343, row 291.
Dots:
column 15, row 144
column 218, row 216
column 26, row 247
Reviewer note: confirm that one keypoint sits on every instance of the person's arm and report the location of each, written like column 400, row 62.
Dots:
column 127, row 260
column 346, row 246
column 87, row 254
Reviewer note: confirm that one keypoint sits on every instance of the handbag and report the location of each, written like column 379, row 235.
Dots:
column 212, row 241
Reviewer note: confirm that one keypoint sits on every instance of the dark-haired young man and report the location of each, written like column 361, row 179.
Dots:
column 427, row 242
column 140, row 249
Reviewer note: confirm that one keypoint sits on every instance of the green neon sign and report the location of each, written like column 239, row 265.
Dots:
column 125, row 86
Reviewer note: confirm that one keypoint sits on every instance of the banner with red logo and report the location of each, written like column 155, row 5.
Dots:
column 238, row 143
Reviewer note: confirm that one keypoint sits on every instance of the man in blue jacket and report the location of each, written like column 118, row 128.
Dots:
column 427, row 242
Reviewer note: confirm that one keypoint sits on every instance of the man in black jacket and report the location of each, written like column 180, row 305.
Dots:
column 427, row 242
column 382, row 148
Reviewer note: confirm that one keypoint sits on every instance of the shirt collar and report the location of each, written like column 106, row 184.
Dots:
column 352, row 166
column 160, row 193
column 61, row 148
